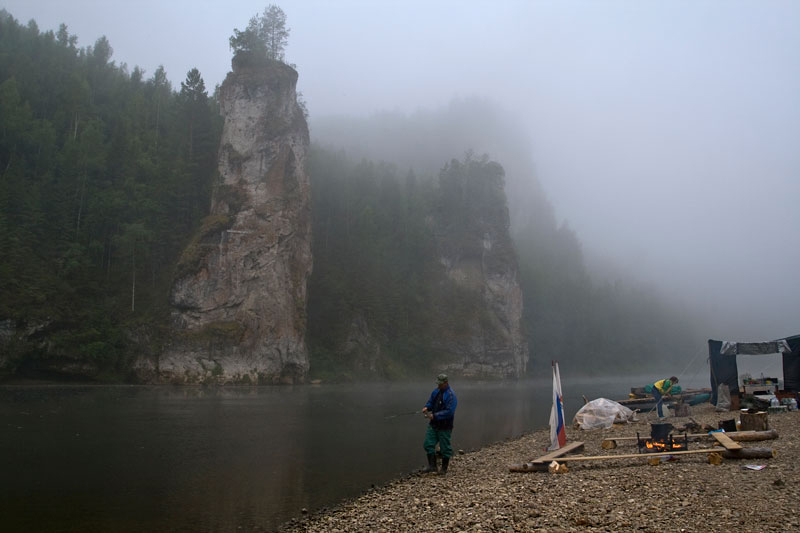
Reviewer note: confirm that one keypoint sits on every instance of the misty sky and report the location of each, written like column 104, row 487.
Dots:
column 667, row 134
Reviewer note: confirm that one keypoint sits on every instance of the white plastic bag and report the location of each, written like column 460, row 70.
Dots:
column 723, row 397
column 602, row 413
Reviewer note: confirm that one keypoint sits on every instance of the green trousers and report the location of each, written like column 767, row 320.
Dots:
column 442, row 436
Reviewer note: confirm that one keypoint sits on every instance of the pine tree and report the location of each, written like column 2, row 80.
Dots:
column 265, row 37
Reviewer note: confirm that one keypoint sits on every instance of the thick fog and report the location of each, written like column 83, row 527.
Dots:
column 666, row 134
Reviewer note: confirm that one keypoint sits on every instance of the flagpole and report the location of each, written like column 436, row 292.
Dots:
column 558, row 436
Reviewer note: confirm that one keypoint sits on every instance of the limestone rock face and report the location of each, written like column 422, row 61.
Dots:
column 490, row 343
column 239, row 300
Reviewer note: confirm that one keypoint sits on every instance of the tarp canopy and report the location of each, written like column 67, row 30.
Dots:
column 754, row 348
column 725, row 371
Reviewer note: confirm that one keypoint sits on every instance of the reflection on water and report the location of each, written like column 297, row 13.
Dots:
column 82, row 458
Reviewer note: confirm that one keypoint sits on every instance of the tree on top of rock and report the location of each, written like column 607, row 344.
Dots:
column 265, row 36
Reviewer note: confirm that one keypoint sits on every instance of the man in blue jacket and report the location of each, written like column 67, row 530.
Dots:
column 441, row 410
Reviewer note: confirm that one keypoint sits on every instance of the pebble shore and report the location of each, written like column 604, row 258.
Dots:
column 687, row 493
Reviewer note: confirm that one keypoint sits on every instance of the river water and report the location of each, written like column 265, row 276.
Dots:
column 162, row 458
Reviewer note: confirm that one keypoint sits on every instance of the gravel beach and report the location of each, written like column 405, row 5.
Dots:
column 687, row 493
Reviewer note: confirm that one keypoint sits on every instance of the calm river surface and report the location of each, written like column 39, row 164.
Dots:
column 162, row 458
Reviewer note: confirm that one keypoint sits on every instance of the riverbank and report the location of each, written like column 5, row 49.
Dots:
column 479, row 494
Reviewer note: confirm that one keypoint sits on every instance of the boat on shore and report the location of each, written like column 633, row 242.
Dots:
column 640, row 400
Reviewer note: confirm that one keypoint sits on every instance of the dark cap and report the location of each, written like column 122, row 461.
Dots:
column 441, row 378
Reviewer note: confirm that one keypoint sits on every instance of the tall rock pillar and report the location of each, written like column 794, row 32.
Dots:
column 239, row 299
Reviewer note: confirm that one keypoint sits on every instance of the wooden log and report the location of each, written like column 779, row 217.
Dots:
column 738, row 436
column 608, row 444
column 750, row 453
column 754, row 421
column 749, row 436
column 726, row 441
column 681, row 409
column 527, row 467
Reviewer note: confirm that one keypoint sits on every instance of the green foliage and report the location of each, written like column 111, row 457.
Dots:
column 372, row 255
column 104, row 176
column 230, row 330
column 265, row 37
column 205, row 239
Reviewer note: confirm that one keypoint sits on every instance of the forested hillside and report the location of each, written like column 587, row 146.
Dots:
column 104, row 175
column 373, row 256
column 591, row 323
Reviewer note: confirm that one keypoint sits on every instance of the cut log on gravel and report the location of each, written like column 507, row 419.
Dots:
column 750, row 453
column 754, row 421
column 747, row 436
column 608, row 444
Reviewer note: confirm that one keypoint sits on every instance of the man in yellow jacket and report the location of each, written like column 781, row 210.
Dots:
column 662, row 388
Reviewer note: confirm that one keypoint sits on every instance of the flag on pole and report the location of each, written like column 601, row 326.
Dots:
column 558, row 436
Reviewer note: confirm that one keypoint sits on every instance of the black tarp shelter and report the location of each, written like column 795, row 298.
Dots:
column 722, row 360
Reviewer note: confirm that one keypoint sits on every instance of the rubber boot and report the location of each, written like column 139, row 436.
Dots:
column 431, row 468
column 445, row 463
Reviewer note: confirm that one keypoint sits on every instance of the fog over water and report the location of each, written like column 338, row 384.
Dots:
column 665, row 134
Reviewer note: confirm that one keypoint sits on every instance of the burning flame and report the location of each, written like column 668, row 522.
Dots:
column 656, row 446
column 663, row 446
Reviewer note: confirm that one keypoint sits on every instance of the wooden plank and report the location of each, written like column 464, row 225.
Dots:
column 641, row 455
column 564, row 450
column 744, row 453
column 542, row 467
column 726, row 441
column 541, row 463
column 675, row 436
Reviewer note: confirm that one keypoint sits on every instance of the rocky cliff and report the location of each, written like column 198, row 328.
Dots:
column 239, row 299
column 485, row 338
column 487, row 342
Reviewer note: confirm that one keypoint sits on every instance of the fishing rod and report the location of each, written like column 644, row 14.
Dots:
column 402, row 414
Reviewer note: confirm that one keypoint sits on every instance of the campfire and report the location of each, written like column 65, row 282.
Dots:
column 661, row 440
